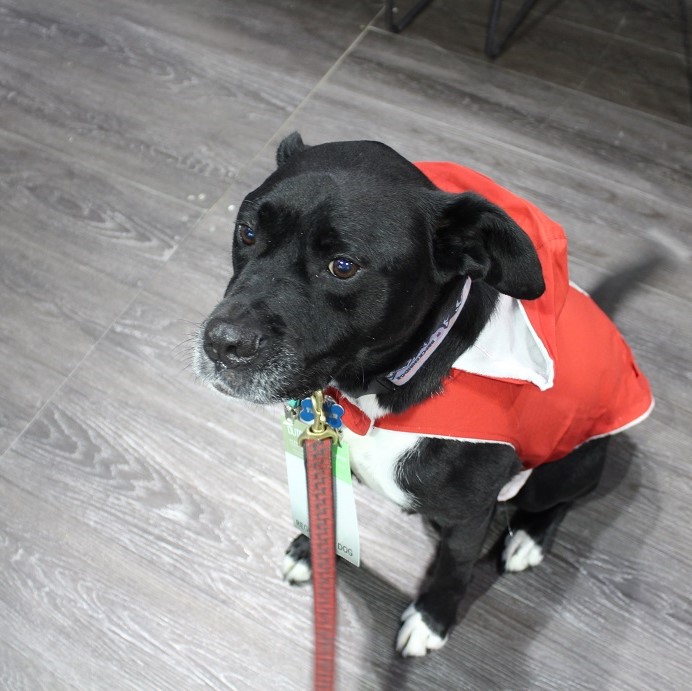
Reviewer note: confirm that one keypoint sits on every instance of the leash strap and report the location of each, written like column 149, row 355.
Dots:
column 317, row 443
column 318, row 462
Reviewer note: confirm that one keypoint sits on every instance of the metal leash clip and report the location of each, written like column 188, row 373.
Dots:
column 319, row 429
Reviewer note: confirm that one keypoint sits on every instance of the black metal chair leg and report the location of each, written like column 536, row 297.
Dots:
column 397, row 27
column 493, row 46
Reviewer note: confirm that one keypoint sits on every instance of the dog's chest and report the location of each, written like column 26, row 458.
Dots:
column 375, row 460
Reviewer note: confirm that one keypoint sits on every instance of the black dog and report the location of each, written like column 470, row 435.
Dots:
column 353, row 270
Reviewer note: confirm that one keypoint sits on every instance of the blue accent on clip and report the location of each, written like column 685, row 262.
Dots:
column 307, row 412
column 333, row 412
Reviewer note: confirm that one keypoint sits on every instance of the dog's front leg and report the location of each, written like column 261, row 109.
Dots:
column 427, row 622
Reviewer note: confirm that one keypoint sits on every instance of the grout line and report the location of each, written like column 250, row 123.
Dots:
column 249, row 163
column 594, row 67
column 138, row 292
column 296, row 111
column 597, row 63
column 216, row 207
column 68, row 377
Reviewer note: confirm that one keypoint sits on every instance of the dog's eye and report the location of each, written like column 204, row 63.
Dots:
column 246, row 234
column 343, row 268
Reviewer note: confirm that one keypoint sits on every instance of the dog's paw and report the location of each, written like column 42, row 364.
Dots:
column 296, row 568
column 521, row 551
column 296, row 572
column 415, row 637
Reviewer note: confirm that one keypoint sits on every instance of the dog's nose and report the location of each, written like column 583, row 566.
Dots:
column 228, row 344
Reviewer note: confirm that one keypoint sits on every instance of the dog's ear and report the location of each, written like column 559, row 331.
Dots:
column 476, row 238
column 292, row 144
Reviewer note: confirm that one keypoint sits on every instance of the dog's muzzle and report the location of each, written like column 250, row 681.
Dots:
column 229, row 345
column 242, row 362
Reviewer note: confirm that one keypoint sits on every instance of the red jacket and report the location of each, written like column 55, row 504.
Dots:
column 546, row 375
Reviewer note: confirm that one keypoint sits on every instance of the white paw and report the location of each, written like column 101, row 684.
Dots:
column 296, row 572
column 521, row 551
column 415, row 639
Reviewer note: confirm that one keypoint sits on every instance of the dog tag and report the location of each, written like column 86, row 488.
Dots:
column 347, row 539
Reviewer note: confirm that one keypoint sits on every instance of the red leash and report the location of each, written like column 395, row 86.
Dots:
column 318, row 460
column 317, row 449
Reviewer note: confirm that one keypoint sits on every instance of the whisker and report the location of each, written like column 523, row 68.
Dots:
column 191, row 339
column 188, row 321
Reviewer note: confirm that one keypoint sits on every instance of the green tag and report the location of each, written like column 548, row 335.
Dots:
column 347, row 539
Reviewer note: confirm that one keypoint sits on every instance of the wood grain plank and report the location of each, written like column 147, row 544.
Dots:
column 101, row 222
column 655, row 23
column 19, row 403
column 657, row 81
column 101, row 468
column 106, row 619
column 19, row 670
column 166, row 108
column 77, row 247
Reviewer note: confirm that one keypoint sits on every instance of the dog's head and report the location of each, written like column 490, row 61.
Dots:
column 338, row 259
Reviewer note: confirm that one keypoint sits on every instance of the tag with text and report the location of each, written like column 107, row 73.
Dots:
column 347, row 539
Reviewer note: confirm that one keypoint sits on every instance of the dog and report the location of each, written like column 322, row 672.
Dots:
column 436, row 307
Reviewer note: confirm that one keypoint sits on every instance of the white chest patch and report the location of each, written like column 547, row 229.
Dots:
column 375, row 460
column 376, row 456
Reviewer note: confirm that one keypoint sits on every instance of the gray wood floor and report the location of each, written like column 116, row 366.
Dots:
column 142, row 518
